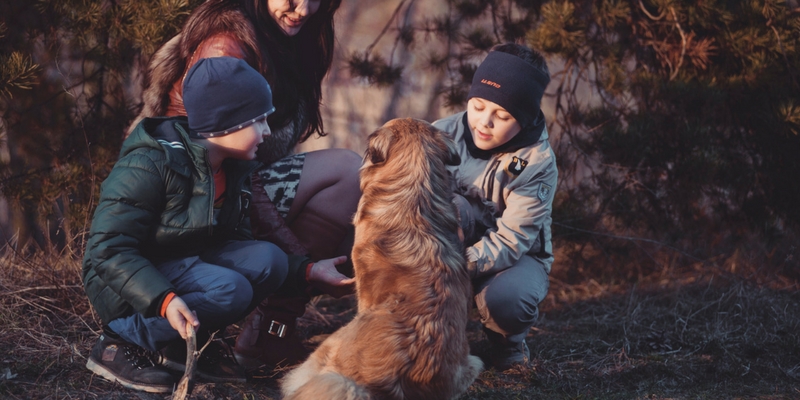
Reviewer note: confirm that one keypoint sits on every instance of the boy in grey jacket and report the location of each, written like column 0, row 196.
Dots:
column 504, row 192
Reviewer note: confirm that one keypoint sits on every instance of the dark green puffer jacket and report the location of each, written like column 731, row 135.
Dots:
column 157, row 204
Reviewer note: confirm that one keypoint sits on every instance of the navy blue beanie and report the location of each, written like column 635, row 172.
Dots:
column 223, row 95
column 511, row 83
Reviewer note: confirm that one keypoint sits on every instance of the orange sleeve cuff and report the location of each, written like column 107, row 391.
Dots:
column 308, row 271
column 165, row 303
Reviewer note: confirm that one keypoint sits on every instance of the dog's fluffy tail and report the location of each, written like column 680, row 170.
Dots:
column 330, row 386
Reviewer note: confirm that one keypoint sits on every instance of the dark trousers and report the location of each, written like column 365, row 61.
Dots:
column 221, row 285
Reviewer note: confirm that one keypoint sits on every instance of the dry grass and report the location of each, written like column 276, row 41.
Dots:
column 726, row 327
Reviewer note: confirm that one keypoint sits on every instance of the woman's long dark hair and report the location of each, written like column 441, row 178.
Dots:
column 296, row 64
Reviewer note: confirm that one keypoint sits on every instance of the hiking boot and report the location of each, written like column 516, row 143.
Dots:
column 216, row 363
column 503, row 358
column 504, row 353
column 268, row 335
column 130, row 365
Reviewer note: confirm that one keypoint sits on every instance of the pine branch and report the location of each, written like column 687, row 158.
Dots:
column 651, row 16
column 783, row 52
column 683, row 45
column 16, row 71
column 369, row 48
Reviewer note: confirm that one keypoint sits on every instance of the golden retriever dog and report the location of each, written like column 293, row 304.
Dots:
column 408, row 338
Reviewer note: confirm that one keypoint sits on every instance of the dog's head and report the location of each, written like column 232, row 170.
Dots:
column 402, row 138
column 406, row 223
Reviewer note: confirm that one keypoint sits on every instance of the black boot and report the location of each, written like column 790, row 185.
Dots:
column 506, row 351
column 268, row 335
column 216, row 362
column 130, row 365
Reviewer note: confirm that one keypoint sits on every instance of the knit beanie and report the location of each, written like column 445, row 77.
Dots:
column 511, row 83
column 223, row 95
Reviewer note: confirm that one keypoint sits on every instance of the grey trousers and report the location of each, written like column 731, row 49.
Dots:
column 508, row 301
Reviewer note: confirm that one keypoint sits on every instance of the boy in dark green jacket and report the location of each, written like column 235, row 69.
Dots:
column 170, row 243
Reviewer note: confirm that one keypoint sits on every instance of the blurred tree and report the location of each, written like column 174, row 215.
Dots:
column 677, row 120
column 65, row 99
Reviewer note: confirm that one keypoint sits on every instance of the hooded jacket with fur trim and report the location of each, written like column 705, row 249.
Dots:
column 214, row 29
column 218, row 29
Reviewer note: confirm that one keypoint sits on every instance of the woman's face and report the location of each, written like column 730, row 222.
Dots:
column 291, row 15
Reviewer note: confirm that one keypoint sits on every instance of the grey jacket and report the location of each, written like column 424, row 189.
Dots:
column 511, row 195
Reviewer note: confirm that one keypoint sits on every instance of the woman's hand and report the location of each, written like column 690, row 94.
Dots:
column 324, row 276
column 180, row 317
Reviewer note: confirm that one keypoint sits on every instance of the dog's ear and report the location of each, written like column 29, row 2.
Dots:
column 452, row 150
column 378, row 145
column 454, row 158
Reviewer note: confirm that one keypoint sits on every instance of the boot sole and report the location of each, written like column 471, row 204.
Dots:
column 178, row 367
column 106, row 373
column 250, row 363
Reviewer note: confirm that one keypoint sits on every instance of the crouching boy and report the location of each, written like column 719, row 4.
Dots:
column 505, row 186
column 170, row 243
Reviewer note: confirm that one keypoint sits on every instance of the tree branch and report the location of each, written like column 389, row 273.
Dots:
column 780, row 46
column 683, row 45
column 192, row 355
column 385, row 28
column 654, row 18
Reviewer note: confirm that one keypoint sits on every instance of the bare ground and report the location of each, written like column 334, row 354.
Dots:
column 724, row 328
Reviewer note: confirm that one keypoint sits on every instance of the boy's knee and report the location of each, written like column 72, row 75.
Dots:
column 274, row 265
column 513, row 310
column 349, row 160
column 348, row 164
column 231, row 296
column 342, row 163
column 510, row 300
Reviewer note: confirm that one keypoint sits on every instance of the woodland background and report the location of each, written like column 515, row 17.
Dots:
column 676, row 125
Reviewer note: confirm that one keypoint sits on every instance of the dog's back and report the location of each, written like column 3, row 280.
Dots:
column 408, row 340
column 330, row 386
column 405, row 218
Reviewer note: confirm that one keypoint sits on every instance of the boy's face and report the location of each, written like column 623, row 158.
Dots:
column 242, row 144
column 490, row 124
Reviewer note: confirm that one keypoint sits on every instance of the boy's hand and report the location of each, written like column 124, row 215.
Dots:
column 324, row 276
column 179, row 316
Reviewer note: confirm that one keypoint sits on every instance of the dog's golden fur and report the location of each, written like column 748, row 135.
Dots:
column 408, row 339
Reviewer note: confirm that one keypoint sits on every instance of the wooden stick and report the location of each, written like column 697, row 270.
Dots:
column 185, row 384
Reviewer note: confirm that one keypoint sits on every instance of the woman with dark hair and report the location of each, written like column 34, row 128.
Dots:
column 302, row 202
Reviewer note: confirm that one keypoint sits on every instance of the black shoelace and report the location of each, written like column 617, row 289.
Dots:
column 139, row 357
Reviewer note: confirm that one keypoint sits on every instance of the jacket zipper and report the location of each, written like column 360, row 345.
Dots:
column 212, row 185
column 488, row 177
column 241, row 208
